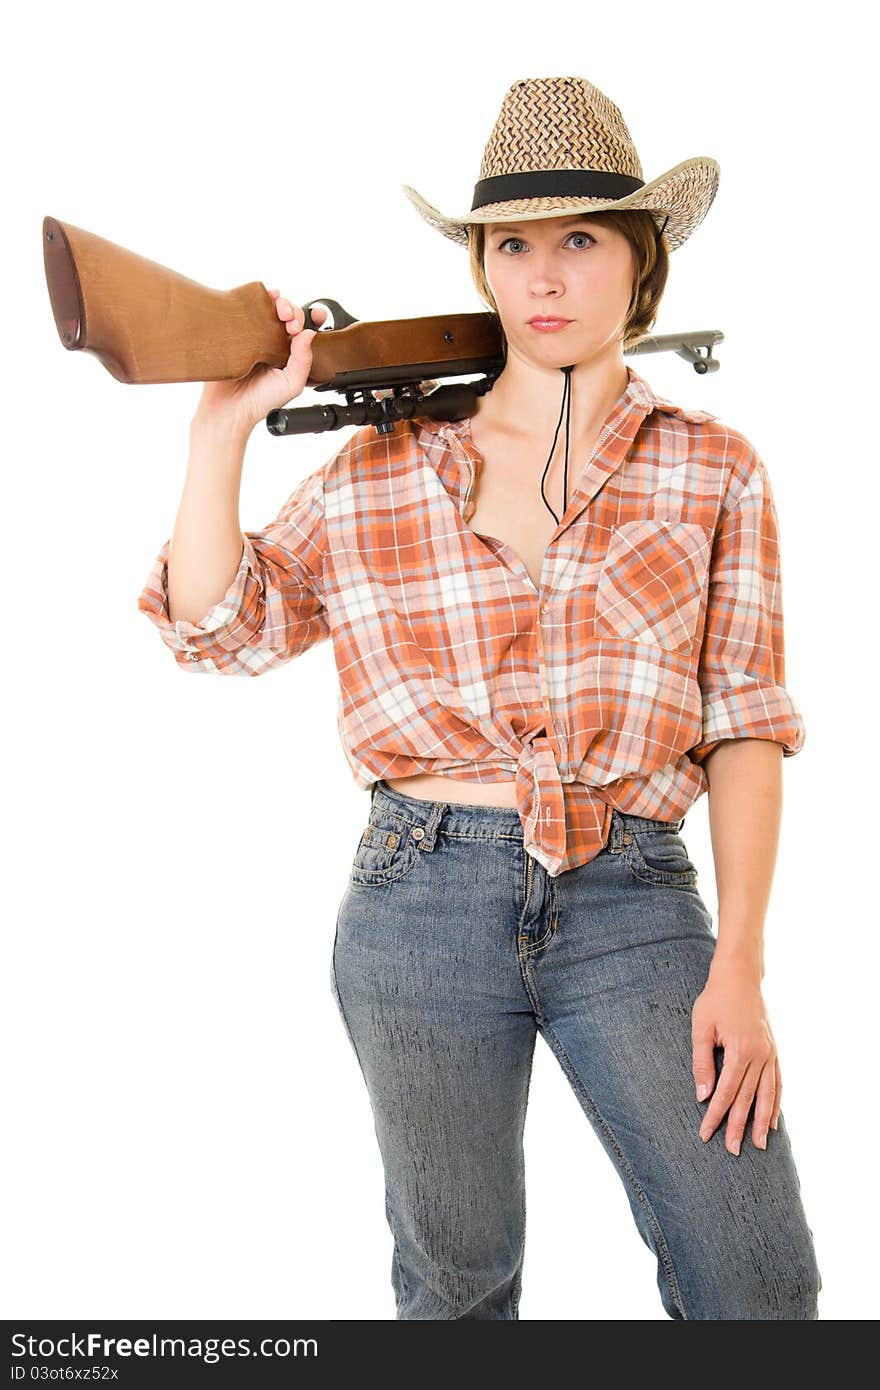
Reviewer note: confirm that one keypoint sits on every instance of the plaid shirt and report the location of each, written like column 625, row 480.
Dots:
column 657, row 630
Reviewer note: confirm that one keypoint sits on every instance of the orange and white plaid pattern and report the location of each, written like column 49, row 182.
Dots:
column 656, row 633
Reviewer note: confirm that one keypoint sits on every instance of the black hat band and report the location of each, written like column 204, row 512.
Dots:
column 552, row 183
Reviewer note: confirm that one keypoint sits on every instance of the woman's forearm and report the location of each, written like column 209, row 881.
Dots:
column 745, row 812
column 206, row 544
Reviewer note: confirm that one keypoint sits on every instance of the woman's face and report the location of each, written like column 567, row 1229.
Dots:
column 573, row 267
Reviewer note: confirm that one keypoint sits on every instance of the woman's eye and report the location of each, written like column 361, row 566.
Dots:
column 585, row 236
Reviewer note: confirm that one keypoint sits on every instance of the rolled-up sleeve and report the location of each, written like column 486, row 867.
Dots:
column 742, row 658
column 273, row 609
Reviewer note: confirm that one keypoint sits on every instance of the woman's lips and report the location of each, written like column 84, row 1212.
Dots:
column 549, row 325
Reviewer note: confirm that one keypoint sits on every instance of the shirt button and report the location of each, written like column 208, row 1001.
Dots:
column 192, row 656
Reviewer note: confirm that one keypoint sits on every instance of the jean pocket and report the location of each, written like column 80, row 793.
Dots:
column 386, row 851
column 651, row 583
column 659, row 856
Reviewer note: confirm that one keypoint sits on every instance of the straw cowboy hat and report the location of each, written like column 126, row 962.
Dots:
column 560, row 146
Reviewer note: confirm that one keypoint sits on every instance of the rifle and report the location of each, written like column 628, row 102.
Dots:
column 149, row 325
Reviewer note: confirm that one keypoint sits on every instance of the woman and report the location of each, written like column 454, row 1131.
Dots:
column 536, row 692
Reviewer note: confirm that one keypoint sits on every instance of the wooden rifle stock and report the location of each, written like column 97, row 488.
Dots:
column 147, row 324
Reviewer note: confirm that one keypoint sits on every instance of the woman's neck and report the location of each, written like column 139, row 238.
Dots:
column 523, row 408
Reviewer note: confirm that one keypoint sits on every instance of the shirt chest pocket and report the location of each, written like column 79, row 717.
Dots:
column 651, row 582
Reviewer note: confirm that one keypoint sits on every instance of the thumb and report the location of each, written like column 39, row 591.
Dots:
column 704, row 1063
column 300, row 353
column 306, row 337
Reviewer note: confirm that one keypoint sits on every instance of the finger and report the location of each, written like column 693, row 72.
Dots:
column 732, row 1072
column 703, row 1064
column 765, row 1097
column 291, row 314
column 777, row 1103
column 289, row 311
column 739, row 1110
column 319, row 316
column 294, row 317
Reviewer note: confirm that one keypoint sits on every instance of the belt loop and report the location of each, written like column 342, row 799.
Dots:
column 432, row 825
column 616, row 831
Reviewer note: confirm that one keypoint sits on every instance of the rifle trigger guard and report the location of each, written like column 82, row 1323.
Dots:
column 341, row 318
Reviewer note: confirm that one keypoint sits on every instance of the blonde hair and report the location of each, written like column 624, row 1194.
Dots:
column 650, row 257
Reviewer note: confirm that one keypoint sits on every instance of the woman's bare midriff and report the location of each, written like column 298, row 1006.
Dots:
column 431, row 787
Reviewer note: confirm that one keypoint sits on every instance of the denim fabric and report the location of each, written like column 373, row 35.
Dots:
column 453, row 949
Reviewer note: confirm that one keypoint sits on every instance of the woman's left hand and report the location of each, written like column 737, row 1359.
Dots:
column 730, row 1013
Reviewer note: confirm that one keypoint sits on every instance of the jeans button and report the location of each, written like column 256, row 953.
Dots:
column 418, row 833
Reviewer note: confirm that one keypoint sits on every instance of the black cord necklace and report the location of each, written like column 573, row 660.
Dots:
column 566, row 406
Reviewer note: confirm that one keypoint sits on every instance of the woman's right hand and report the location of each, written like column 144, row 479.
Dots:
column 243, row 403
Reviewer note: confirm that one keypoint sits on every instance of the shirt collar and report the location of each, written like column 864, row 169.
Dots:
column 450, row 449
column 643, row 394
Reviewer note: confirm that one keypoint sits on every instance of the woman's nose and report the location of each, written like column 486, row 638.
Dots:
column 543, row 280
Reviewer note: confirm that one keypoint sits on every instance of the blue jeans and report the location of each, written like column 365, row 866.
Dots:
column 453, row 949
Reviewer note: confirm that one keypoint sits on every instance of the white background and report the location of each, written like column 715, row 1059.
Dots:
column 187, row 1131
